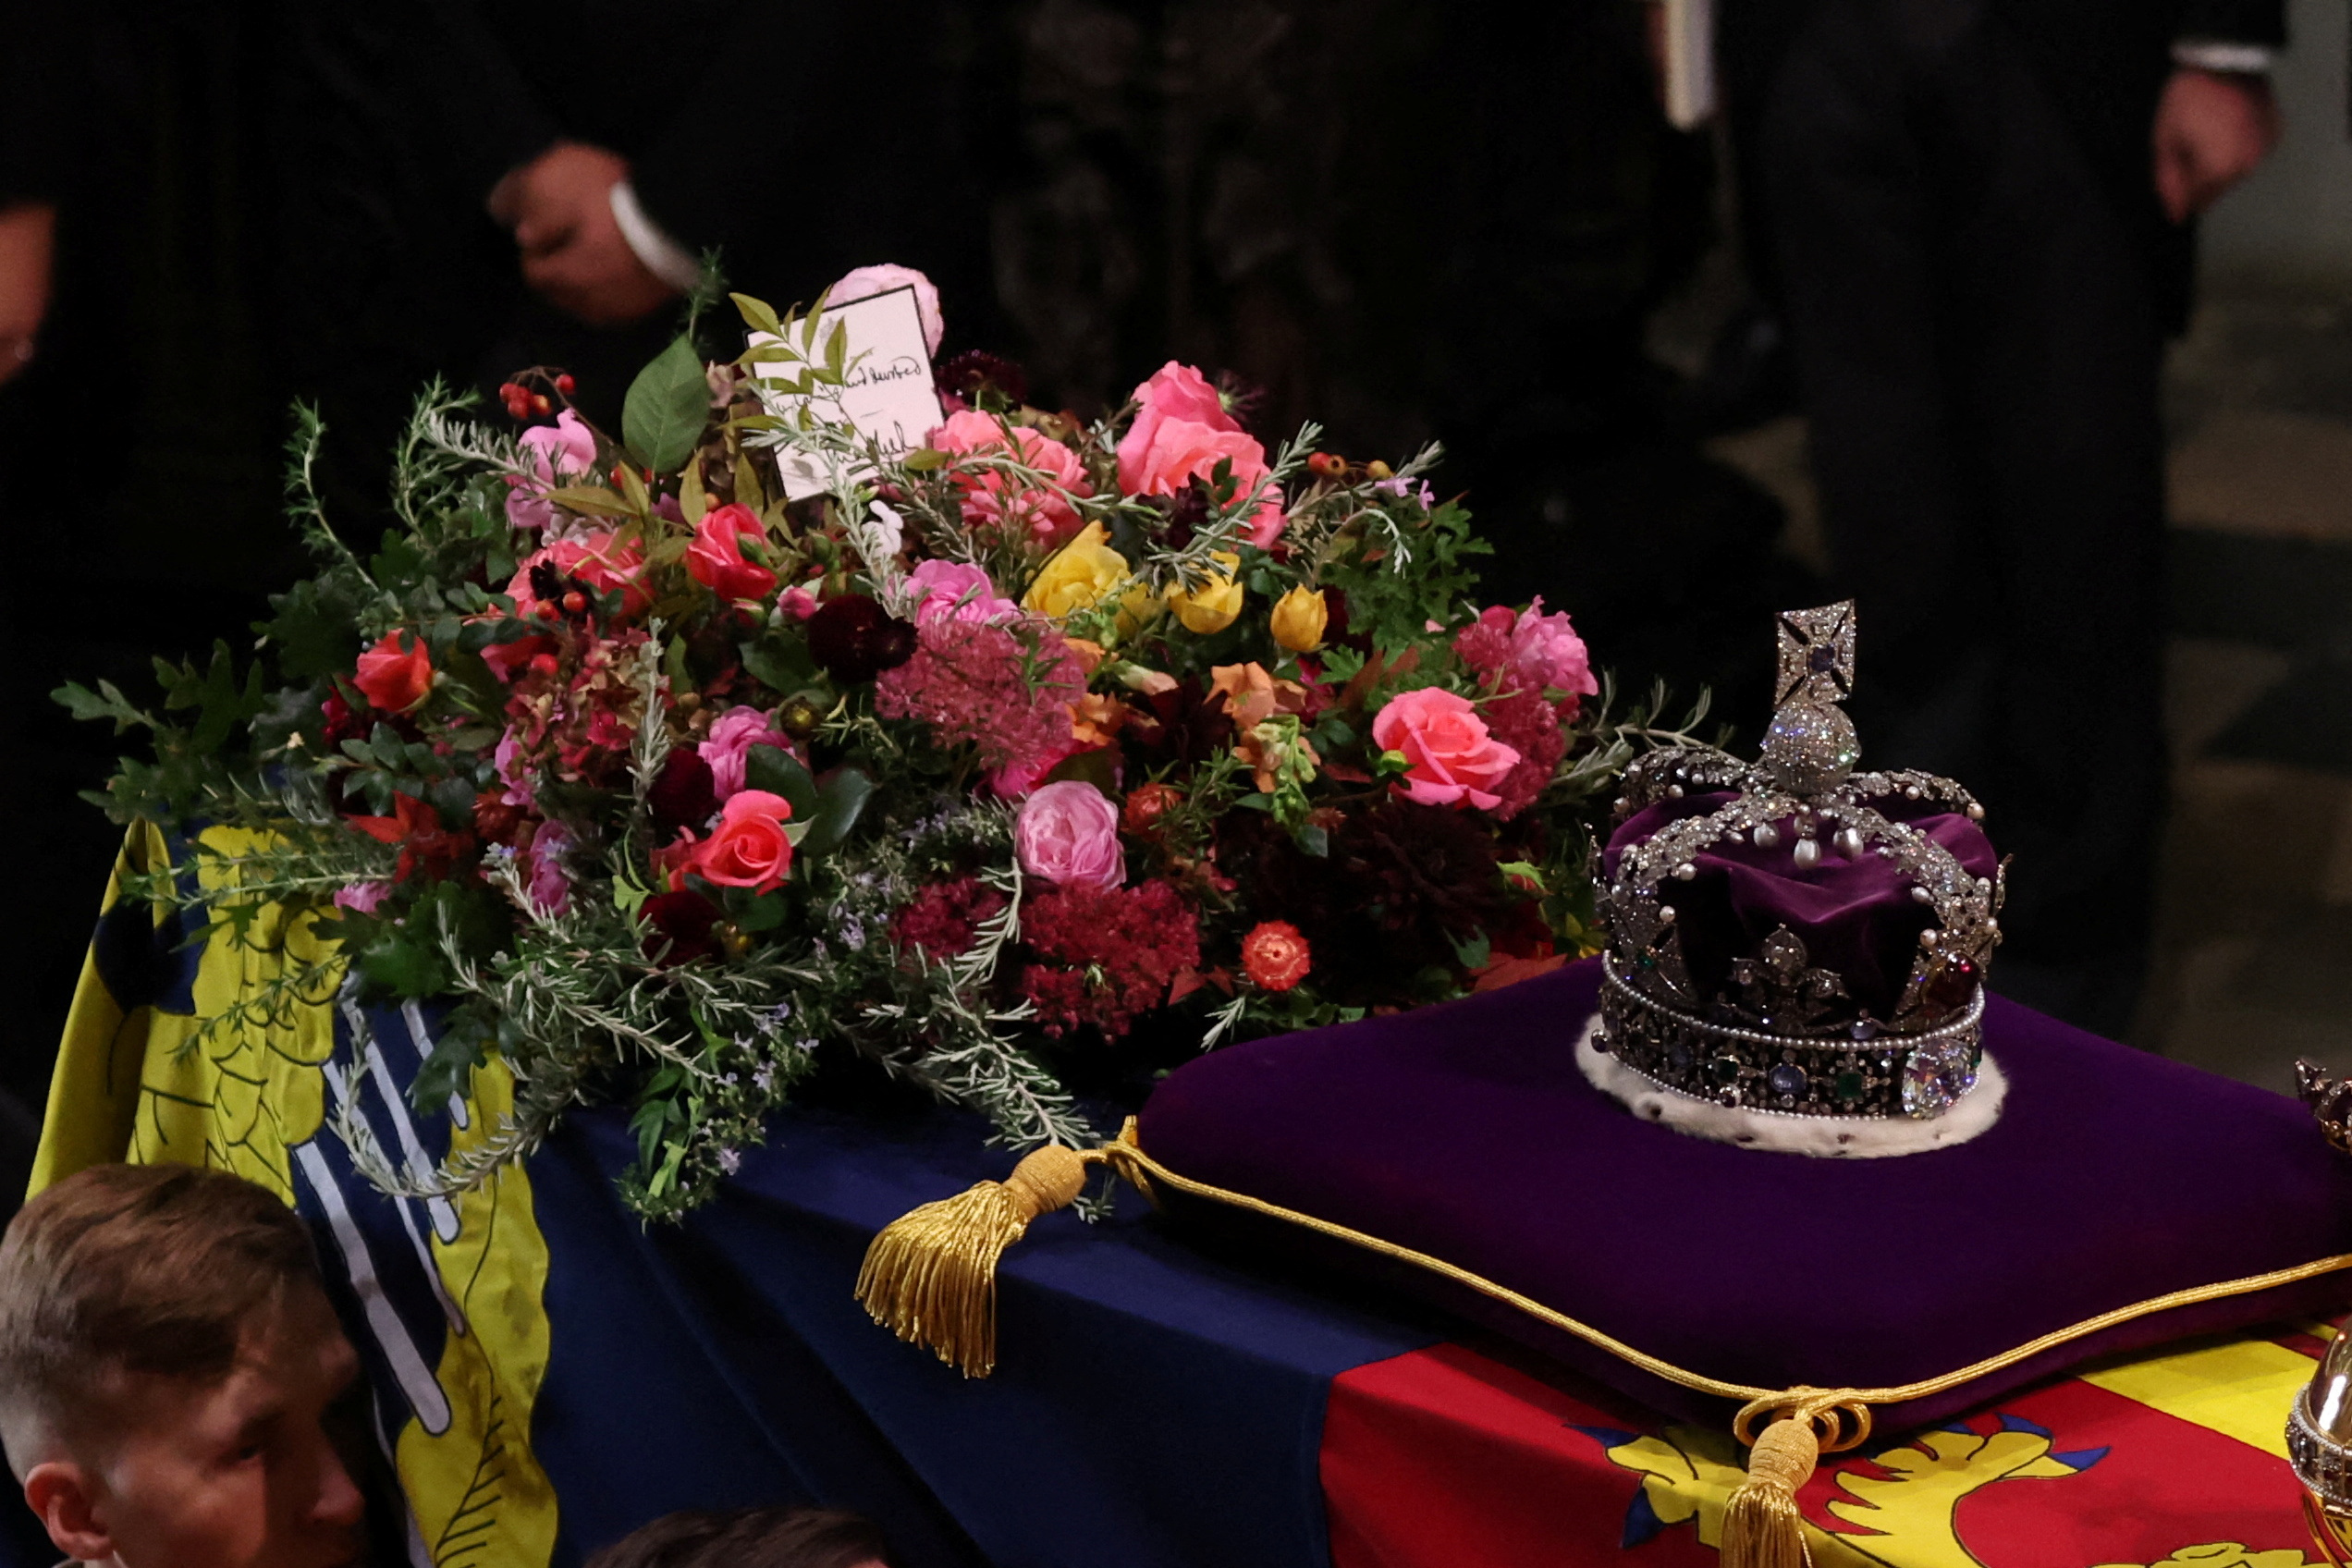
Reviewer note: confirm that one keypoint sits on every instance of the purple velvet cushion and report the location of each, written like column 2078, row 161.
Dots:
column 1466, row 1132
column 1856, row 917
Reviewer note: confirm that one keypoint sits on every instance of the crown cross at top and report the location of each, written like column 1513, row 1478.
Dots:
column 1817, row 655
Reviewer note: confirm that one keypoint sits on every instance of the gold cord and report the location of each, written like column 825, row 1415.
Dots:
column 1128, row 1154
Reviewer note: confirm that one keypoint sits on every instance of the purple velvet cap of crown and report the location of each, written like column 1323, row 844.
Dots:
column 1856, row 917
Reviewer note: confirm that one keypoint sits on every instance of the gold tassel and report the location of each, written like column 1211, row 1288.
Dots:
column 1762, row 1526
column 931, row 1277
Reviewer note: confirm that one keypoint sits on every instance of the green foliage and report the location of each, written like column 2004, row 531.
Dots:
column 541, row 752
column 667, row 408
column 840, row 800
column 1393, row 604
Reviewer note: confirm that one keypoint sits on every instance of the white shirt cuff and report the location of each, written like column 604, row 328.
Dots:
column 663, row 256
column 2215, row 55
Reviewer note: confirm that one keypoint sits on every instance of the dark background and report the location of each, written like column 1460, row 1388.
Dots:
column 1408, row 220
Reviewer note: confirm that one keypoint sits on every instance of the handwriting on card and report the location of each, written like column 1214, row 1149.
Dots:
column 886, row 393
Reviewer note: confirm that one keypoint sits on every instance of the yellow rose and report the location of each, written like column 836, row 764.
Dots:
column 1138, row 608
column 1299, row 618
column 1215, row 604
column 1078, row 576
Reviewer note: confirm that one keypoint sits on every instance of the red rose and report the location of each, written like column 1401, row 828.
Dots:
column 395, row 674
column 748, row 848
column 679, row 927
column 682, row 796
column 716, row 558
column 1275, row 956
column 1146, row 804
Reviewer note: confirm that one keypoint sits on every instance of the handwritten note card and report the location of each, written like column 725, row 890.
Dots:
column 887, row 393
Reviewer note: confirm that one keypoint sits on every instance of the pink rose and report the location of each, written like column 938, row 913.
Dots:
column 558, row 451
column 728, row 748
column 996, row 498
column 1174, row 391
column 797, row 601
column 1068, row 832
column 749, row 847
column 863, row 283
column 1451, row 758
column 1182, row 431
column 952, row 588
column 716, row 558
column 1546, row 653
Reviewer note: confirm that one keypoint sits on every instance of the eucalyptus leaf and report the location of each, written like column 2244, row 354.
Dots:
column 666, row 407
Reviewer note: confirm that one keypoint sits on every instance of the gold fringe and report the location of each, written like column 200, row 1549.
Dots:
column 931, row 1277
column 1762, row 1526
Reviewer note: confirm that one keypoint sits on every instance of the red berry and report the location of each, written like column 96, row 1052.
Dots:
column 1327, row 465
column 564, row 383
column 507, row 390
column 620, row 476
column 575, row 601
column 546, row 611
column 539, row 404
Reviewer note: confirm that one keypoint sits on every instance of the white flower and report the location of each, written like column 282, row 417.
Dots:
column 889, row 532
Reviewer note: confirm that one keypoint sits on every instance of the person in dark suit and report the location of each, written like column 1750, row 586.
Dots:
column 471, row 187
column 1973, row 217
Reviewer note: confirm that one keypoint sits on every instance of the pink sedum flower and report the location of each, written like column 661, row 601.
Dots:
column 958, row 590
column 1068, row 834
column 862, row 282
column 728, row 748
column 1452, row 759
column 555, row 452
column 1182, row 431
column 998, row 499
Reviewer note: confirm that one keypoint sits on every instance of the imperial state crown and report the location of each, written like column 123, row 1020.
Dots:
column 1793, row 936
